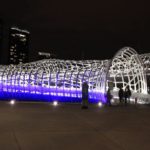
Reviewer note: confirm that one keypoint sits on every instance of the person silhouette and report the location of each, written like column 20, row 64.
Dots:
column 109, row 97
column 127, row 94
column 121, row 94
column 85, row 95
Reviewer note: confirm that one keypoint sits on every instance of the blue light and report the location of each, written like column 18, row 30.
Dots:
column 28, row 93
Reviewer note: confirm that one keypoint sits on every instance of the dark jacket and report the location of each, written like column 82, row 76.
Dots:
column 121, row 93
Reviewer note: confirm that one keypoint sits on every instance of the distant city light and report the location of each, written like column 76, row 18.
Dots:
column 44, row 54
column 16, row 28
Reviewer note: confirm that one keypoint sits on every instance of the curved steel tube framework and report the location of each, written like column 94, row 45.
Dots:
column 62, row 79
column 55, row 79
column 127, row 69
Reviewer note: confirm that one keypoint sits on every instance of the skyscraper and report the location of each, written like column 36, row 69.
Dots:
column 1, row 37
column 18, row 45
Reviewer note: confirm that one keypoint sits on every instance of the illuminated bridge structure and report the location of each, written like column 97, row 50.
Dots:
column 54, row 79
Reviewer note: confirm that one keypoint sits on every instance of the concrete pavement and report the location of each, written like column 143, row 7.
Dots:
column 41, row 126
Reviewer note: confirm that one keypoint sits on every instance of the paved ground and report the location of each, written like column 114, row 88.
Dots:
column 32, row 126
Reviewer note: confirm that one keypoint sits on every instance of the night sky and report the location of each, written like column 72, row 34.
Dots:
column 81, row 29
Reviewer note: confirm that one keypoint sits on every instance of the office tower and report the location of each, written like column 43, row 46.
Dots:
column 18, row 45
column 1, row 38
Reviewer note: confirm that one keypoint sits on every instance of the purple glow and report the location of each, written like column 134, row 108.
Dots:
column 47, row 94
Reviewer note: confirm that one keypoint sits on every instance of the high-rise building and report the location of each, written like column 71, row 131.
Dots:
column 4, row 40
column 1, row 36
column 18, row 45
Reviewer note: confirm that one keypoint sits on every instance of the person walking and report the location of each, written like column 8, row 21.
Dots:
column 109, row 97
column 127, row 94
column 121, row 94
column 85, row 95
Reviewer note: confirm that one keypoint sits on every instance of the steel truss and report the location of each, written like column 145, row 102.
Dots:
column 54, row 78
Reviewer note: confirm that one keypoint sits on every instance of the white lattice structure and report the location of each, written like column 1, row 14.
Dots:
column 56, row 78
column 127, row 70
column 146, row 62
column 63, row 79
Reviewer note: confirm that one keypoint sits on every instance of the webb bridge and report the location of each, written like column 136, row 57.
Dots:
column 54, row 79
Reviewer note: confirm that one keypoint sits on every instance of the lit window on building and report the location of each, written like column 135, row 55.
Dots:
column 18, row 45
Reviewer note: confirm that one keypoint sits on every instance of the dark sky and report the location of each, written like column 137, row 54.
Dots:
column 71, row 29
